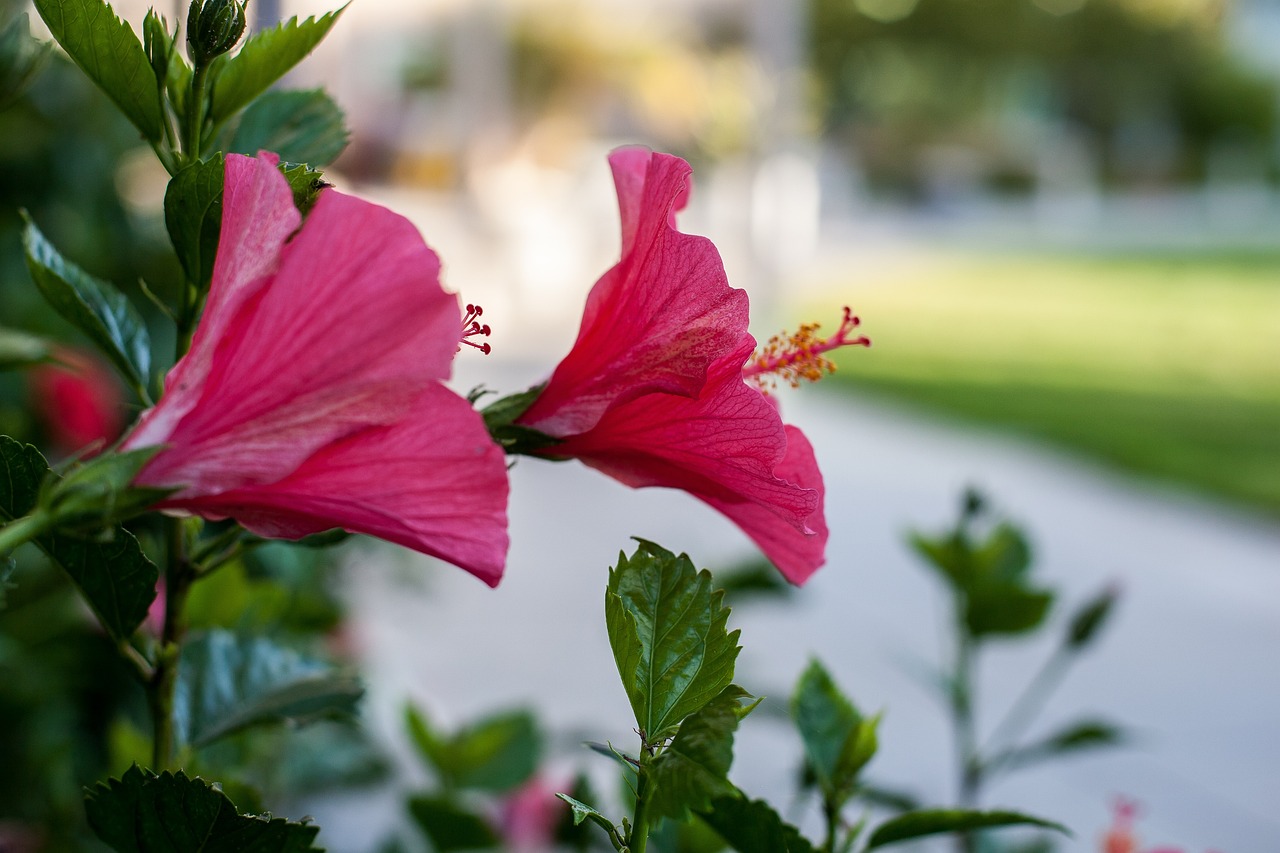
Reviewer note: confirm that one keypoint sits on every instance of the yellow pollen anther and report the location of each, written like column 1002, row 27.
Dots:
column 800, row 356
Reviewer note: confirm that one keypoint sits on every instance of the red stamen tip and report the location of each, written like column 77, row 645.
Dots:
column 471, row 327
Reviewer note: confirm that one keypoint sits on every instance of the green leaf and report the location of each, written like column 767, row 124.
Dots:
column 497, row 753
column 107, row 50
column 300, row 126
column 171, row 813
column 91, row 305
column 228, row 683
column 1005, row 609
column 1078, row 736
column 306, row 184
column 18, row 349
column 114, row 576
column 752, row 826
column 582, row 811
column 500, row 419
column 935, row 821
column 21, row 58
column 667, row 630
column 263, row 60
column 838, row 741
column 450, row 826
column 193, row 215
column 1090, row 619
column 694, row 768
column 99, row 492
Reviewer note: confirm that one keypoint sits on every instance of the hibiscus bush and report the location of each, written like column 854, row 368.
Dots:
column 300, row 396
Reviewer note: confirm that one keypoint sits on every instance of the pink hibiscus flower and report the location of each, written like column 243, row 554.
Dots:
column 311, row 396
column 653, row 392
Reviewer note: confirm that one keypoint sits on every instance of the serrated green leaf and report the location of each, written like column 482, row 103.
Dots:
column 21, row 58
column 263, row 60
column 94, row 306
column 936, row 821
column 450, row 826
column 752, row 826
column 694, row 768
column 838, row 740
column 497, row 753
column 171, row 813
column 667, row 630
column 114, row 576
column 193, row 215
column 228, row 683
column 306, row 184
column 108, row 51
column 302, row 126
column 18, row 349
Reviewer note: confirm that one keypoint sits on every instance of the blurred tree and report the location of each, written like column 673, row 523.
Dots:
column 896, row 76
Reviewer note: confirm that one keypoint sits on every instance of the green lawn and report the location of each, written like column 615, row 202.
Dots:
column 1165, row 365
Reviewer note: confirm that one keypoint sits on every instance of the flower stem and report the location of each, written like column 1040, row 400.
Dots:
column 23, row 530
column 164, row 679
column 195, row 112
column 639, row 837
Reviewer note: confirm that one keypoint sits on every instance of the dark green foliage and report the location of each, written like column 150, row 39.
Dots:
column 170, row 813
column 193, row 216
column 1075, row 737
column 93, row 306
column 451, row 826
column 693, row 770
column 497, row 753
column 1090, row 618
column 229, row 683
column 115, row 577
column 752, row 826
column 937, row 821
column 300, row 126
column 21, row 58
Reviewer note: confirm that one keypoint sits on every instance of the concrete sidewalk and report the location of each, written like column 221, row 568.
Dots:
column 1189, row 662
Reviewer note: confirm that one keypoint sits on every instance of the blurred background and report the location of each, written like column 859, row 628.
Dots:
column 1060, row 223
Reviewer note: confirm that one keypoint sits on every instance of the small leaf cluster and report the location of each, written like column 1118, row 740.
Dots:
column 491, row 757
column 986, row 564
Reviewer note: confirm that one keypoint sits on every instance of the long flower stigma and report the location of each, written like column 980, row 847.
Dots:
column 472, row 327
column 801, row 356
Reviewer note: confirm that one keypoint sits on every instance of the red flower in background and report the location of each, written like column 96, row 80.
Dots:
column 78, row 401
column 311, row 396
column 653, row 391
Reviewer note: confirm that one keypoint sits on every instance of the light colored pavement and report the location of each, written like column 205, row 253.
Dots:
column 1189, row 662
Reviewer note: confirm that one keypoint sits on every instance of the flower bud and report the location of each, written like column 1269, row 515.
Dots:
column 213, row 28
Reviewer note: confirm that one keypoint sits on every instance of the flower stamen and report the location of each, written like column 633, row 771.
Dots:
column 471, row 327
column 798, row 357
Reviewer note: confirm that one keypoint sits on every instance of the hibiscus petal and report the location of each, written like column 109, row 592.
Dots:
column 258, row 216
column 351, row 325
column 434, row 482
column 728, row 448
column 796, row 554
column 654, row 322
